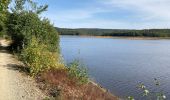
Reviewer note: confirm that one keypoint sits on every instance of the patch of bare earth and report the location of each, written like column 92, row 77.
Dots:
column 15, row 85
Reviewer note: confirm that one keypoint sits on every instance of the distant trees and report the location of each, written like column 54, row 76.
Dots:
column 116, row 32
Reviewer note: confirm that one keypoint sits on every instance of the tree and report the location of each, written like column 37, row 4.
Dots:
column 31, row 7
column 4, row 5
column 25, row 22
column 3, row 15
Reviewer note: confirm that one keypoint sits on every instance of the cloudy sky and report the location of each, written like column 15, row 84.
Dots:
column 115, row 14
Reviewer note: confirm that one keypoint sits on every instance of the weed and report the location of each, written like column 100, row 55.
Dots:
column 75, row 69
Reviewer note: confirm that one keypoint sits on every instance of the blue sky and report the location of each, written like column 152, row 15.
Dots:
column 115, row 14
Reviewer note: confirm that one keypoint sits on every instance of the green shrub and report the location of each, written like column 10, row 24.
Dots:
column 36, row 56
column 34, row 38
column 76, row 70
column 3, row 27
column 23, row 26
column 3, row 16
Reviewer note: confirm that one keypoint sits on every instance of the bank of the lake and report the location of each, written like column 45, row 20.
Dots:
column 53, row 84
column 115, row 32
column 123, row 37
column 59, row 86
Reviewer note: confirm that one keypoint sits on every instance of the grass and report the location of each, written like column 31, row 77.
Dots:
column 76, row 70
column 66, row 88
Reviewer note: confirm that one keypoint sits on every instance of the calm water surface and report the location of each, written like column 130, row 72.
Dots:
column 119, row 65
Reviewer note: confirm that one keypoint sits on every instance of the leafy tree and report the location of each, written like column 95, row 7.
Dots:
column 22, row 26
column 31, row 7
column 3, row 15
column 23, row 23
column 4, row 5
column 34, row 38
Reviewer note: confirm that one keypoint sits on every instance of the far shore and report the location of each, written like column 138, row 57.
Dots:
column 124, row 37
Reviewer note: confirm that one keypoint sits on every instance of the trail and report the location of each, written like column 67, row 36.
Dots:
column 15, row 85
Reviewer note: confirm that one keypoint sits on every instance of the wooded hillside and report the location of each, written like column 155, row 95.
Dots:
column 115, row 32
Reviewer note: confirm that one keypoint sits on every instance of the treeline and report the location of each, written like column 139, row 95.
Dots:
column 115, row 32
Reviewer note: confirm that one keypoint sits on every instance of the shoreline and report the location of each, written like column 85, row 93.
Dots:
column 91, row 87
column 61, row 88
column 104, row 90
column 124, row 37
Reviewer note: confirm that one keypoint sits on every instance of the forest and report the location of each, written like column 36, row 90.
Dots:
column 115, row 32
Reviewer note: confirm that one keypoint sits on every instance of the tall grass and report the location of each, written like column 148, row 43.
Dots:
column 76, row 70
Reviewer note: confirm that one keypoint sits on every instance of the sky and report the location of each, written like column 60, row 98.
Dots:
column 108, row 14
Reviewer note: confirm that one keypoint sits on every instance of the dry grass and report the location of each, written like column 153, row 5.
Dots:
column 61, row 86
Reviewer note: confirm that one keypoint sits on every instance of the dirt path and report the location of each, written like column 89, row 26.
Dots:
column 15, row 85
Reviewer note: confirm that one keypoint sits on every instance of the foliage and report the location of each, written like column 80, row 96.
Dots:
column 116, row 32
column 131, row 98
column 35, row 39
column 149, row 94
column 3, row 15
column 37, row 57
column 4, row 6
column 2, row 28
column 29, row 6
column 76, row 70
column 22, row 26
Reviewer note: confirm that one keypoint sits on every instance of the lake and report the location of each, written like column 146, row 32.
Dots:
column 119, row 65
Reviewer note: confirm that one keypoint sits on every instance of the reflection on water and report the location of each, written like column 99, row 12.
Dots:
column 120, row 64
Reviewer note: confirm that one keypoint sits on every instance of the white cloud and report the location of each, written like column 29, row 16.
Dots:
column 148, row 9
column 75, row 14
column 94, row 24
column 110, row 24
column 149, row 13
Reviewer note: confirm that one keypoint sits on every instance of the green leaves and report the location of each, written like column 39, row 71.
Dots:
column 150, row 95
column 36, row 56
column 76, row 70
column 4, row 5
column 41, row 9
column 3, row 15
column 22, row 26
column 144, row 89
column 35, row 39
column 20, row 6
column 131, row 98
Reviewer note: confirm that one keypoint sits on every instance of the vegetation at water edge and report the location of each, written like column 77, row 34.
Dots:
column 115, row 32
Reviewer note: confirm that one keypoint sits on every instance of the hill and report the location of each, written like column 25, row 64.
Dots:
column 115, row 32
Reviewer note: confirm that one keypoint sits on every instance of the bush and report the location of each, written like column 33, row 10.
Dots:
column 76, row 70
column 23, row 26
column 3, row 27
column 34, row 38
column 36, row 56
column 3, row 16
